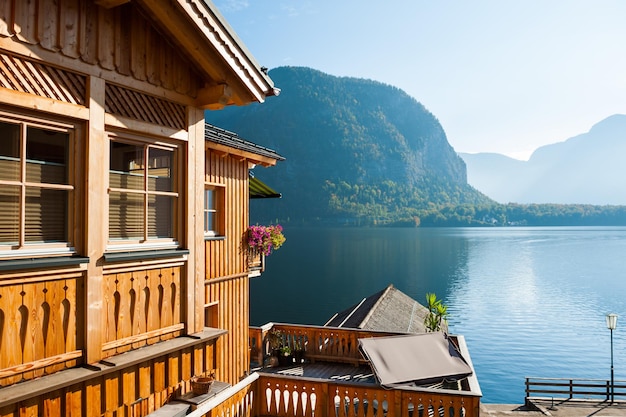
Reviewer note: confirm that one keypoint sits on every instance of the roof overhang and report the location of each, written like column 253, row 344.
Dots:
column 232, row 76
column 258, row 189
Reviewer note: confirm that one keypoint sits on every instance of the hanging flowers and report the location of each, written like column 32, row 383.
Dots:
column 265, row 239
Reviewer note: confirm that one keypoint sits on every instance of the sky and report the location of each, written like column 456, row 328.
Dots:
column 500, row 76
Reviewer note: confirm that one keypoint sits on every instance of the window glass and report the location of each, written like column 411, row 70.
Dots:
column 127, row 168
column 159, row 169
column 9, row 151
column 46, row 156
column 45, row 222
column 9, row 220
column 160, row 209
column 125, row 215
column 35, row 184
column 142, row 196
column 209, row 211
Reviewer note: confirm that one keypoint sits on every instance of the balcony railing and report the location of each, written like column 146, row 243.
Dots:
column 284, row 396
column 292, row 396
column 319, row 343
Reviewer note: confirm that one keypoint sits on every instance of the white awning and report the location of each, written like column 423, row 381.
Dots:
column 420, row 359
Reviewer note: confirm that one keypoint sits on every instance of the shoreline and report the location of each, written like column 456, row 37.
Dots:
column 556, row 408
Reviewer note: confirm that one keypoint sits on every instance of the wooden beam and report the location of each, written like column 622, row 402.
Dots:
column 125, row 123
column 109, row 4
column 96, row 230
column 33, row 102
column 194, row 223
column 214, row 97
column 254, row 158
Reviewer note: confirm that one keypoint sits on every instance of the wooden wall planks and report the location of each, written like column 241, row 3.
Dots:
column 228, row 258
column 119, row 39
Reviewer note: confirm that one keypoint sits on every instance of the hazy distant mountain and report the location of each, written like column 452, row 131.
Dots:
column 356, row 151
column 587, row 169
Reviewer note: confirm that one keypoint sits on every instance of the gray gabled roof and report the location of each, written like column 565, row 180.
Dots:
column 389, row 310
column 224, row 137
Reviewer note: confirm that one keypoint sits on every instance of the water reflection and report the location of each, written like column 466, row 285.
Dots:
column 530, row 301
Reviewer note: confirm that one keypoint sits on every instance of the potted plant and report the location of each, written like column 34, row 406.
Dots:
column 265, row 239
column 285, row 357
column 275, row 341
column 298, row 352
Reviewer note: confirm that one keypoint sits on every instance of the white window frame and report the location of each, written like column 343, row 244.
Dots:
column 146, row 242
column 22, row 248
column 217, row 210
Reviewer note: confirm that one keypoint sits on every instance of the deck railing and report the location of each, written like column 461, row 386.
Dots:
column 561, row 388
column 285, row 396
column 318, row 342
column 290, row 396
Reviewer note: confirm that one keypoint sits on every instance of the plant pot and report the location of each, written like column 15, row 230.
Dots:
column 285, row 360
column 299, row 356
column 201, row 384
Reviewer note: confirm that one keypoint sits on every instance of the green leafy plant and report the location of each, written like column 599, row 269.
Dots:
column 437, row 313
column 285, row 350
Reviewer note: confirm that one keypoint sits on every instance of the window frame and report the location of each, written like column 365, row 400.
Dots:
column 218, row 211
column 23, row 248
column 146, row 242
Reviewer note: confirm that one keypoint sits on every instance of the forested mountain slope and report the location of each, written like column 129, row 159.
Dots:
column 357, row 151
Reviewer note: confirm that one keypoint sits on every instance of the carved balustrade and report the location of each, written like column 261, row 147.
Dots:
column 286, row 396
column 141, row 307
column 41, row 325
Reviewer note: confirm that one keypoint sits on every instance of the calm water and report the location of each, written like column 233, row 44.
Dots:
column 529, row 301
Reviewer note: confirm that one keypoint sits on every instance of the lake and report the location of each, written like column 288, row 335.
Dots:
column 529, row 301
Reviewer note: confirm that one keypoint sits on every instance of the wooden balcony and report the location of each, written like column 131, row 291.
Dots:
column 334, row 380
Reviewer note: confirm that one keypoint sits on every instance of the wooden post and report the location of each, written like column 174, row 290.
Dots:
column 96, row 230
column 193, row 224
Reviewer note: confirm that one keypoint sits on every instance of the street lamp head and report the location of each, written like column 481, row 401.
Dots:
column 611, row 321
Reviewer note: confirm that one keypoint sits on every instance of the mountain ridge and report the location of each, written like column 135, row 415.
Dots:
column 585, row 169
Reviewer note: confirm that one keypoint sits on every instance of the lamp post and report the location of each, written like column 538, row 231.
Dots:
column 611, row 323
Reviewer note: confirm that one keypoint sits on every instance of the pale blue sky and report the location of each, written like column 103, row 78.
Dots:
column 501, row 76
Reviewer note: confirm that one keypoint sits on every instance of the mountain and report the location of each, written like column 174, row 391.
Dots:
column 586, row 169
column 357, row 151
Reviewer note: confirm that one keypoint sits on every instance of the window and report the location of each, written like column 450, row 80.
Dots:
column 143, row 200
column 213, row 210
column 36, row 185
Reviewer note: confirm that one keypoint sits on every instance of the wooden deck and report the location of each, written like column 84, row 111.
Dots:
column 326, row 371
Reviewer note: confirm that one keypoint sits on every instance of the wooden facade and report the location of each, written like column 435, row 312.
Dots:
column 112, row 297
column 124, row 269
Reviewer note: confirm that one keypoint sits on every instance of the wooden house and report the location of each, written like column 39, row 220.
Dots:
column 123, row 268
